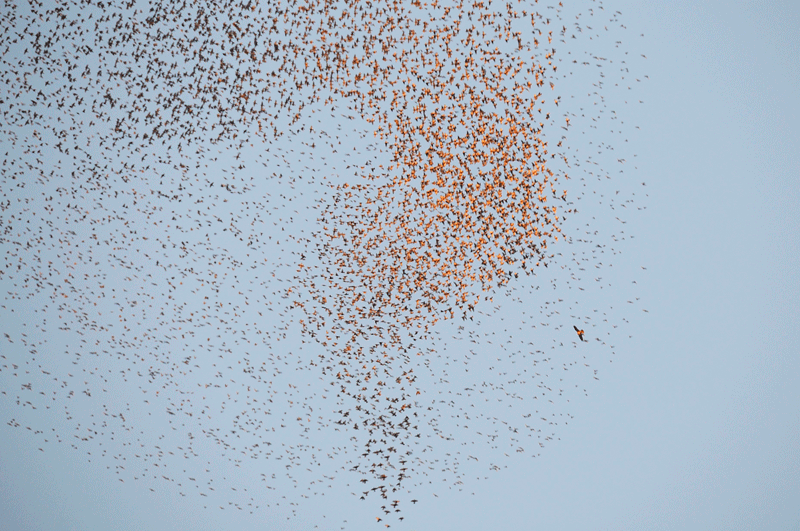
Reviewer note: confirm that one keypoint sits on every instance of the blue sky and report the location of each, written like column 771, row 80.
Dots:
column 693, row 422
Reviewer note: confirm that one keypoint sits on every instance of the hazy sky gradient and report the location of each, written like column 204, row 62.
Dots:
column 695, row 424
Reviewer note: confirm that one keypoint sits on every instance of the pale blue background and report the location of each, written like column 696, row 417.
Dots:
column 696, row 424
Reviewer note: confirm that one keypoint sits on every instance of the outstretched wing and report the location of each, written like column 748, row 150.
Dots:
column 576, row 329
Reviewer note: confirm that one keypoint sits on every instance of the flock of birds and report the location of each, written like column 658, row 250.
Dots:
column 265, row 221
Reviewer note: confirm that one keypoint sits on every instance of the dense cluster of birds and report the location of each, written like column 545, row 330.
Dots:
column 415, row 160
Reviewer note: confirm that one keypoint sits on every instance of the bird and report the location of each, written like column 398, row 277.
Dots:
column 269, row 182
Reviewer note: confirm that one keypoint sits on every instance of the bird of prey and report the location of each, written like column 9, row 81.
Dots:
column 580, row 332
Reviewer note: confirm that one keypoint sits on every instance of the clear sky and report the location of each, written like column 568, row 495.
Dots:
column 693, row 421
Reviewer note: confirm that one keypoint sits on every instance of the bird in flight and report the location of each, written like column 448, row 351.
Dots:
column 580, row 332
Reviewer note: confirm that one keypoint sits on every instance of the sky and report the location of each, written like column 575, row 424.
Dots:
column 692, row 422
